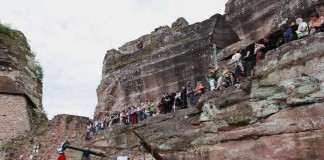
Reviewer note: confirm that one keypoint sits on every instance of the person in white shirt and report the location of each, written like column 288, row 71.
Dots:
column 177, row 101
column 237, row 60
column 302, row 30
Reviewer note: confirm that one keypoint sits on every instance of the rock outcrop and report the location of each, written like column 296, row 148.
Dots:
column 254, row 19
column 277, row 115
column 17, row 62
column 160, row 62
column 179, row 23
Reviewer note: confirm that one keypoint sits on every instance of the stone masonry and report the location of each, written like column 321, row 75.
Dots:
column 14, row 112
column 61, row 128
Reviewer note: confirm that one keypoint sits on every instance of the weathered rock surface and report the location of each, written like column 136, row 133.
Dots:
column 179, row 23
column 160, row 62
column 16, row 53
column 254, row 19
column 277, row 115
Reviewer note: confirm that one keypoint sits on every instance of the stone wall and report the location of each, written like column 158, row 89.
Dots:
column 61, row 128
column 14, row 117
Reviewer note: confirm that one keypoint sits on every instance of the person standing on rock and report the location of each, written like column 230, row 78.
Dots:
column 163, row 104
column 316, row 23
column 89, row 131
column 190, row 93
column 302, row 30
column 200, row 89
column 287, row 33
column 152, row 108
column 249, row 60
column 184, row 103
column 211, row 77
column 123, row 117
column 238, row 67
column 147, row 109
column 227, row 78
column 177, row 101
column 134, row 117
column 168, row 103
column 129, row 114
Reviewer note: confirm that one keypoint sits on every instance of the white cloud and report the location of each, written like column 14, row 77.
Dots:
column 71, row 38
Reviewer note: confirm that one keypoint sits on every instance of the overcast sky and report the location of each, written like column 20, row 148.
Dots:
column 71, row 38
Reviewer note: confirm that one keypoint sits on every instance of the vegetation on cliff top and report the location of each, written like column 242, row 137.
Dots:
column 12, row 33
column 7, row 29
column 38, row 71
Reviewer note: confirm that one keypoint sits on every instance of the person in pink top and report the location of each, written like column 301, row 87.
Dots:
column 316, row 23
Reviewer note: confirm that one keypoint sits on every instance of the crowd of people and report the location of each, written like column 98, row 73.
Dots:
column 170, row 102
column 244, row 59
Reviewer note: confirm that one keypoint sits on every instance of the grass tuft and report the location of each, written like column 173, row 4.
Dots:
column 7, row 29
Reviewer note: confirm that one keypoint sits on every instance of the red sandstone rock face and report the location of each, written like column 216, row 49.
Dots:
column 253, row 19
column 279, row 115
column 160, row 62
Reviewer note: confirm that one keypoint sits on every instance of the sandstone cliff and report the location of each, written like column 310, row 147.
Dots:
column 160, row 62
column 253, row 20
column 277, row 115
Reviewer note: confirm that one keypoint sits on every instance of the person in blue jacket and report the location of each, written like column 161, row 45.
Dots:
column 287, row 32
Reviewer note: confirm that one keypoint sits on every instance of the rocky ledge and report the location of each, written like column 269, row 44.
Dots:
column 277, row 115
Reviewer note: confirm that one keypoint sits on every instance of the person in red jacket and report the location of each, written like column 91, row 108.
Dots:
column 62, row 155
